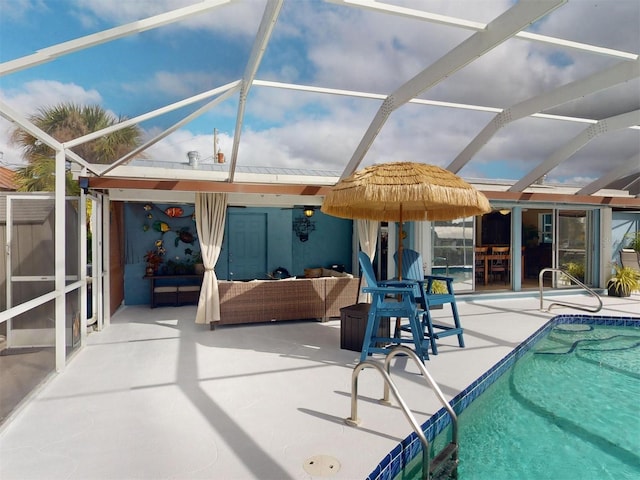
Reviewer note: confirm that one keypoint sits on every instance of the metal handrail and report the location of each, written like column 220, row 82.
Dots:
column 389, row 385
column 563, row 304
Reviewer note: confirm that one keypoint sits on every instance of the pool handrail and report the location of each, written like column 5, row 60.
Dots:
column 564, row 304
column 451, row 450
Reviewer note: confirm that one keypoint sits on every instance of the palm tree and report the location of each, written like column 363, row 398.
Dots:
column 65, row 122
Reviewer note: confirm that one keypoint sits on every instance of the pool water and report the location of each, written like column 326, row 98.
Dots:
column 568, row 408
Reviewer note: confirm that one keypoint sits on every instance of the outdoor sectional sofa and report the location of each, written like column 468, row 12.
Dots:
column 290, row 299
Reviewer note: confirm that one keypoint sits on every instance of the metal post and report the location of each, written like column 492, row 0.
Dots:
column 59, row 262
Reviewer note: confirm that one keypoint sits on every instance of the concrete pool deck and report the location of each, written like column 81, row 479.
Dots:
column 154, row 396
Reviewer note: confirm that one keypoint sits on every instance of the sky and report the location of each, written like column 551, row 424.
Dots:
column 328, row 45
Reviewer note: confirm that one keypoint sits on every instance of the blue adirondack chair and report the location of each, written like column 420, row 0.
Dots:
column 390, row 299
column 412, row 270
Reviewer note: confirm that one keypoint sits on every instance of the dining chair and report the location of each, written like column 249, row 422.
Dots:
column 480, row 261
column 390, row 299
column 499, row 264
column 412, row 270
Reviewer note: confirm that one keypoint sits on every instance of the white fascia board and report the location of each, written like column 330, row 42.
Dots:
column 233, row 199
column 267, row 200
column 159, row 173
column 280, row 179
column 547, row 189
column 156, row 196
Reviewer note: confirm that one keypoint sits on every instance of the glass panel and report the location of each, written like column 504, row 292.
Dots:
column 572, row 243
column 546, row 227
column 537, row 240
column 453, row 251
column 27, row 357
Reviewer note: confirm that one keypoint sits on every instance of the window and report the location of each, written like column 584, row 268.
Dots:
column 545, row 221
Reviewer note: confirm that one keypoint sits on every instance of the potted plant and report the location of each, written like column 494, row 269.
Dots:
column 438, row 287
column 575, row 269
column 197, row 263
column 624, row 281
column 153, row 259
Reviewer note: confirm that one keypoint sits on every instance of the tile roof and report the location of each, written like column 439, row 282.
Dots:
column 7, row 179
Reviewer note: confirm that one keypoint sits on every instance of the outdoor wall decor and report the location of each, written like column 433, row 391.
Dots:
column 174, row 212
column 303, row 226
column 184, row 235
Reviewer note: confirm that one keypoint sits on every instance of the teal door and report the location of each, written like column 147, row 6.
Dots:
column 247, row 246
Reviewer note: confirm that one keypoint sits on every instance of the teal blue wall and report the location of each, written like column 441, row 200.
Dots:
column 328, row 244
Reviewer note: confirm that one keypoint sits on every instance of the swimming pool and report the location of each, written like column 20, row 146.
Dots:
column 594, row 423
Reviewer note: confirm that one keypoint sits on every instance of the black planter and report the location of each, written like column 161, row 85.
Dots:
column 618, row 292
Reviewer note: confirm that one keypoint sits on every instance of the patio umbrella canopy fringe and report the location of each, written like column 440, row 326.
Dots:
column 423, row 192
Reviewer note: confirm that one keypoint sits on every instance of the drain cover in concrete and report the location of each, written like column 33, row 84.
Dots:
column 321, row 465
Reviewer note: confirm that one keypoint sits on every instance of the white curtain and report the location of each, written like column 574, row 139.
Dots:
column 368, row 235
column 211, row 213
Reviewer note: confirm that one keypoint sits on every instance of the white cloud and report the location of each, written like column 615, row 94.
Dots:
column 42, row 93
column 237, row 18
column 33, row 96
column 174, row 148
column 19, row 10
column 175, row 85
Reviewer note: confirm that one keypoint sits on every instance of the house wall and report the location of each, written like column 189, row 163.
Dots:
column 329, row 244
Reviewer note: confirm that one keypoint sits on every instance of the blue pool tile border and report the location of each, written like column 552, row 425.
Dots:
column 393, row 463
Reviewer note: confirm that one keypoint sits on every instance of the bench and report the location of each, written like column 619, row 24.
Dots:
column 174, row 290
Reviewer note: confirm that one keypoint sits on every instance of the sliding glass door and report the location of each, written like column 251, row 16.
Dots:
column 572, row 243
column 452, row 243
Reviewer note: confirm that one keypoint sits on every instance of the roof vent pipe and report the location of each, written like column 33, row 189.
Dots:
column 194, row 157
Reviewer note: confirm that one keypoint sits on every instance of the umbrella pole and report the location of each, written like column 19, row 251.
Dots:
column 397, row 333
column 400, row 247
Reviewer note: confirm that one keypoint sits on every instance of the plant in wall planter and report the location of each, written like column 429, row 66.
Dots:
column 624, row 281
column 153, row 259
column 195, row 258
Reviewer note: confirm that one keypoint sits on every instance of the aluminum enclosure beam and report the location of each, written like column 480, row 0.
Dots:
column 55, row 51
column 170, row 130
column 499, row 30
column 563, row 153
column 381, row 7
column 627, row 168
column 271, row 13
column 152, row 114
column 619, row 73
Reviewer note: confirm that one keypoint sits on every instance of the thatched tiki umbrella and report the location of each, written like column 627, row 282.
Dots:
column 404, row 191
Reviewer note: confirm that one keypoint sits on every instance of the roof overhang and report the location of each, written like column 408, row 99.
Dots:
column 282, row 194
